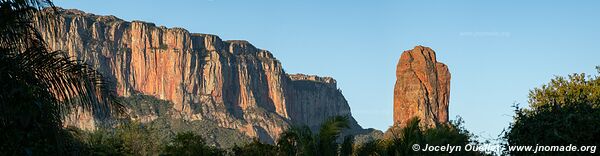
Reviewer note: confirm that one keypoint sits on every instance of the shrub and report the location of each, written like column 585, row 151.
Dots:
column 565, row 111
column 188, row 143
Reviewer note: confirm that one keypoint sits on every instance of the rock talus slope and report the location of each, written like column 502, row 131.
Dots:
column 231, row 83
column 422, row 88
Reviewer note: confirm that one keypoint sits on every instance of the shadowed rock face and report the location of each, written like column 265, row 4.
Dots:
column 422, row 88
column 231, row 83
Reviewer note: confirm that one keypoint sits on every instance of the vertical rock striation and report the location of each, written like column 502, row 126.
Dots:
column 312, row 97
column 422, row 88
column 231, row 83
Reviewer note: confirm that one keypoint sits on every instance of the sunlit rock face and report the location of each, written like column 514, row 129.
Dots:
column 422, row 88
column 231, row 83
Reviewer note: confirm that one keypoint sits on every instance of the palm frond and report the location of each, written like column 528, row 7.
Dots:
column 329, row 132
column 297, row 140
column 332, row 128
column 70, row 83
column 41, row 86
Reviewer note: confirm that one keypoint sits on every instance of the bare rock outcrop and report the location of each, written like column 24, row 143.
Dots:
column 422, row 88
column 311, row 98
column 231, row 83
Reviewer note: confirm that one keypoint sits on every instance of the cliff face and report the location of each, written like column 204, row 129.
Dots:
column 422, row 88
column 311, row 95
column 231, row 83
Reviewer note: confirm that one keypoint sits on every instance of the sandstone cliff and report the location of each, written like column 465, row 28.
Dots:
column 231, row 83
column 422, row 88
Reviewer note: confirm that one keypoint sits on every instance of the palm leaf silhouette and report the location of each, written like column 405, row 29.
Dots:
column 41, row 86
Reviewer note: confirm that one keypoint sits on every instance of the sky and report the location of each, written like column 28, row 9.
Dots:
column 496, row 50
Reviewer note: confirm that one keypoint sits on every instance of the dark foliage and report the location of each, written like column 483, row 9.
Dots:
column 188, row 143
column 40, row 86
column 255, row 148
column 403, row 139
column 372, row 147
column 299, row 140
column 563, row 112
column 105, row 143
column 329, row 132
column 346, row 148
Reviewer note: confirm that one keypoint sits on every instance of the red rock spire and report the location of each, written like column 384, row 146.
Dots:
column 422, row 88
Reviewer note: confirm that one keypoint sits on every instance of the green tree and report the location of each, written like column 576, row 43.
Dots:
column 255, row 148
column 301, row 140
column 138, row 139
column 372, row 147
column 563, row 112
column 40, row 86
column 105, row 143
column 126, row 139
column 573, row 90
column 296, row 141
column 404, row 138
column 453, row 133
column 329, row 132
column 188, row 143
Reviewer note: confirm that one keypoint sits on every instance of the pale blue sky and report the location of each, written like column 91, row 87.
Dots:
column 496, row 50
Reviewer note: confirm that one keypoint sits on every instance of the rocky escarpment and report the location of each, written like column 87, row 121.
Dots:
column 422, row 88
column 231, row 83
column 312, row 94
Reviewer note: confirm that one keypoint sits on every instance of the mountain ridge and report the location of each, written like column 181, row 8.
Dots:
column 230, row 82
